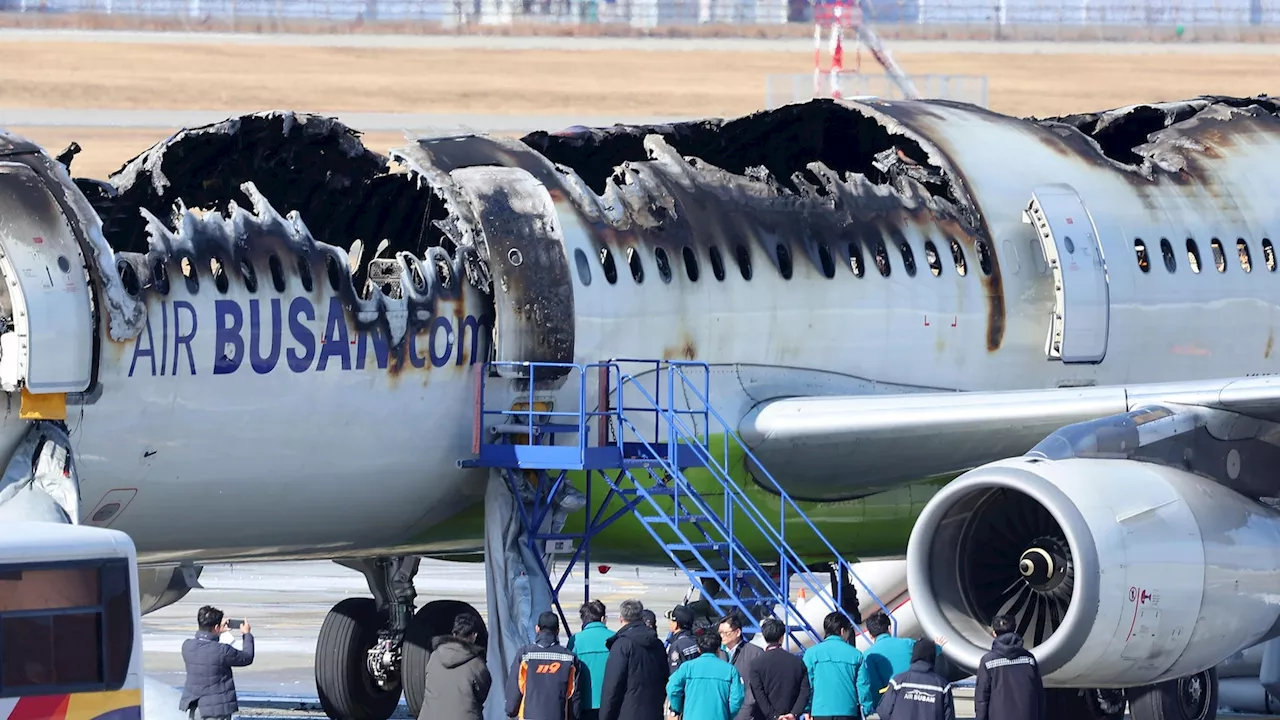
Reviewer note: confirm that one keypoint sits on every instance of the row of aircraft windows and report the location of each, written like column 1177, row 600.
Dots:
column 1193, row 255
column 742, row 258
column 248, row 274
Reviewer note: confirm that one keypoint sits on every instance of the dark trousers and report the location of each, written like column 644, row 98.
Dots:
column 589, row 714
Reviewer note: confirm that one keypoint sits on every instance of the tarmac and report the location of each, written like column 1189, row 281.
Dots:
column 285, row 603
column 427, row 124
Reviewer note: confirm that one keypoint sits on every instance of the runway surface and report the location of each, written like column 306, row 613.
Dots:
column 503, row 42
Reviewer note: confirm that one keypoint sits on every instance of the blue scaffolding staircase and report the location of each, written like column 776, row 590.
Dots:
column 644, row 444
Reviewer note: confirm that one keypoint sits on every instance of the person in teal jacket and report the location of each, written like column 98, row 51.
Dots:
column 589, row 644
column 838, row 676
column 706, row 687
column 888, row 655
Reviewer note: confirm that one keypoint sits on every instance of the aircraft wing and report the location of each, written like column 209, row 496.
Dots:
column 833, row 448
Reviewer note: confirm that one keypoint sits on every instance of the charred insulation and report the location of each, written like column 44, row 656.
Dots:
column 771, row 146
column 1120, row 132
column 309, row 164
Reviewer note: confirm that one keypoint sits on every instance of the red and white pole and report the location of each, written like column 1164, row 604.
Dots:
column 837, row 53
column 817, row 55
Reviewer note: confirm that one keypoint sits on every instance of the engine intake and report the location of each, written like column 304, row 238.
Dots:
column 1119, row 573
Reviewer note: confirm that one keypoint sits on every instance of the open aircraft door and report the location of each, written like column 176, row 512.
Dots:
column 46, row 341
column 1082, row 311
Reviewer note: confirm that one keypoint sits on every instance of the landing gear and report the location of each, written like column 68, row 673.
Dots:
column 370, row 650
column 1194, row 697
column 1106, row 704
column 1084, row 704
column 347, row 688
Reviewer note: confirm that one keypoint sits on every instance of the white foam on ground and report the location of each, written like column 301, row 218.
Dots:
column 160, row 700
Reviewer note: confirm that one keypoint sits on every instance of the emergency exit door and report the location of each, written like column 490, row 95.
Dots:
column 46, row 341
column 1080, row 322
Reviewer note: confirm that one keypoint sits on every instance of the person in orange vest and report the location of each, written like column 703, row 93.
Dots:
column 544, row 682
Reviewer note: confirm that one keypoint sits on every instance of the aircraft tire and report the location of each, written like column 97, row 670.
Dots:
column 1194, row 697
column 431, row 620
column 347, row 691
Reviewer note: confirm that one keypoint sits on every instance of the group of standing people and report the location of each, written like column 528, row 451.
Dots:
column 697, row 675
column 715, row 674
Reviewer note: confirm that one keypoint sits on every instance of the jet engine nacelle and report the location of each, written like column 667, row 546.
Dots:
column 165, row 585
column 1120, row 573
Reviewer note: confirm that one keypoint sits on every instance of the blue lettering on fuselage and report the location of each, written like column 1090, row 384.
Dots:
column 277, row 335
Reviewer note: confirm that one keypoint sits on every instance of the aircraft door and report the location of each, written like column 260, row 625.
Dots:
column 1081, row 317
column 519, row 225
column 46, row 316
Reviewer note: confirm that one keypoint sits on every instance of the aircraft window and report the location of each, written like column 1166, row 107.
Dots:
column 1269, row 254
column 717, row 263
column 610, row 269
column 277, row 272
column 1035, row 251
column 416, row 276
column 304, row 273
column 1193, row 255
column 855, row 259
column 160, row 277
column 984, row 256
column 881, row 255
column 744, row 260
column 828, row 264
column 1219, row 257
column 584, row 266
column 637, row 270
column 664, row 264
column 1166, row 251
column 219, row 276
column 335, row 272
column 249, row 275
column 129, row 277
column 931, row 257
column 690, row 263
column 188, row 268
column 784, row 261
column 1140, row 248
column 1242, row 249
column 908, row 257
column 957, row 255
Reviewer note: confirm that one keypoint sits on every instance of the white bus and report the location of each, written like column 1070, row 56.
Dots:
column 70, row 624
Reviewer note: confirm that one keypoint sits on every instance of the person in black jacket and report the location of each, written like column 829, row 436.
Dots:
column 1009, row 685
column 545, row 682
column 779, row 680
column 635, row 675
column 919, row 693
column 742, row 655
column 209, row 685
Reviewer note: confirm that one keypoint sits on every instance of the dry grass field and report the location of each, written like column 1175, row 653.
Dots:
column 594, row 83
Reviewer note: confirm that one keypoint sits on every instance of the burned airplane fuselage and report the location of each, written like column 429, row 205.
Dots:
column 290, row 325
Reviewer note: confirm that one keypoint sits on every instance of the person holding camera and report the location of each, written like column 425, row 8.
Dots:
column 210, row 687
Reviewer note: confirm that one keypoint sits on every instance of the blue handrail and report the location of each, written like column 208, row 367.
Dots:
column 785, row 500
column 752, row 565
column 735, row 499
